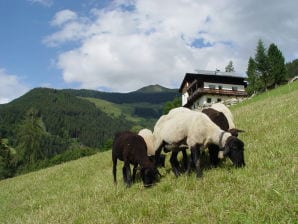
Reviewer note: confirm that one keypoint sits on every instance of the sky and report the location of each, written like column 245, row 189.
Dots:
column 123, row 45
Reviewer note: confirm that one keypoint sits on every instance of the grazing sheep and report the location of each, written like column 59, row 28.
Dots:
column 182, row 125
column 131, row 149
column 223, row 118
column 220, row 107
column 149, row 139
column 225, row 110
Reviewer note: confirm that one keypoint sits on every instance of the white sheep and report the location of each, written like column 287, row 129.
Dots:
column 149, row 140
column 223, row 118
column 148, row 137
column 196, row 130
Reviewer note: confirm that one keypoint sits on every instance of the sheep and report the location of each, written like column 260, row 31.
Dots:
column 182, row 125
column 131, row 149
column 148, row 137
column 223, row 118
column 220, row 107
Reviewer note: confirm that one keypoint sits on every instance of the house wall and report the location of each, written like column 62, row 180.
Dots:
column 224, row 86
column 203, row 100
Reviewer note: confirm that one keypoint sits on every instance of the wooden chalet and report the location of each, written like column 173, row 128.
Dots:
column 206, row 87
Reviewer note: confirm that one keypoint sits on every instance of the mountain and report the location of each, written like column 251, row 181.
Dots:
column 45, row 123
column 147, row 94
column 156, row 89
column 264, row 191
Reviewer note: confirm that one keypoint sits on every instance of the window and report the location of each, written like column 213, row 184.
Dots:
column 208, row 100
column 234, row 88
column 218, row 99
column 211, row 86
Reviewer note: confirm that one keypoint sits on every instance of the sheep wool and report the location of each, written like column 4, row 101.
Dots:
column 223, row 108
column 184, row 124
column 148, row 137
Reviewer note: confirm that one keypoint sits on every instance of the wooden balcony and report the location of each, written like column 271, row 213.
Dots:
column 202, row 91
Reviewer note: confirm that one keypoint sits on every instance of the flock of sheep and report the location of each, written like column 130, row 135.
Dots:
column 179, row 130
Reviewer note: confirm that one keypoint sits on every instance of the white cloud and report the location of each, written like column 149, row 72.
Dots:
column 124, row 47
column 63, row 16
column 46, row 3
column 10, row 87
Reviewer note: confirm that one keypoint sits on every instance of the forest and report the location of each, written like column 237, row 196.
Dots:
column 48, row 126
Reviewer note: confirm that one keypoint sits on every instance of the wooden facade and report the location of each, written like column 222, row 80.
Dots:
column 209, row 84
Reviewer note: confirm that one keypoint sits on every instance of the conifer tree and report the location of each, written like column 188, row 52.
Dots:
column 30, row 138
column 276, row 62
column 253, row 77
column 230, row 67
column 262, row 64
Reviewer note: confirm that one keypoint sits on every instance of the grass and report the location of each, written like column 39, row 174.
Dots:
column 265, row 191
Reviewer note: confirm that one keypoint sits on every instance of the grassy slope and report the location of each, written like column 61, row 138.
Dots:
column 127, row 109
column 265, row 191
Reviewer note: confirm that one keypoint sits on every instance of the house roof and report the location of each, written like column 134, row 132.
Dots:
column 216, row 76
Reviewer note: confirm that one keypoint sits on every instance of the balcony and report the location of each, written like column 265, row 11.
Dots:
column 202, row 91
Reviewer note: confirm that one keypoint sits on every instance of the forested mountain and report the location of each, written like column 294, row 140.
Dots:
column 45, row 123
column 151, row 94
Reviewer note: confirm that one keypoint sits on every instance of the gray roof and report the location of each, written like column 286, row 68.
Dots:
column 219, row 73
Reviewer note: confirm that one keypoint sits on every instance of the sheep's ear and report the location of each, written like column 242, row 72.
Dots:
column 235, row 131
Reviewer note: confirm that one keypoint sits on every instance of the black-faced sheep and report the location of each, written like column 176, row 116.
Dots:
column 131, row 149
column 182, row 125
column 223, row 118
column 149, row 139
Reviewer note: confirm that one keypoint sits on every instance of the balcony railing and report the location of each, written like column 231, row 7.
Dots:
column 201, row 91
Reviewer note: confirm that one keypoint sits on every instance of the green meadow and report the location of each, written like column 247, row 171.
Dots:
column 265, row 191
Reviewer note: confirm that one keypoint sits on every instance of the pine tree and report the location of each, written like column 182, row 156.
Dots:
column 276, row 62
column 262, row 64
column 253, row 77
column 230, row 67
column 30, row 138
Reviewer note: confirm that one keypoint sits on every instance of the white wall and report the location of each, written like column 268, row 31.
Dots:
column 224, row 86
column 184, row 98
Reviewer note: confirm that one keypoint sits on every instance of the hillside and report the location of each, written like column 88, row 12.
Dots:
column 46, row 123
column 265, row 191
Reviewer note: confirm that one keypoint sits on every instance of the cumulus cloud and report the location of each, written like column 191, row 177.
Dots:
column 10, row 87
column 135, row 43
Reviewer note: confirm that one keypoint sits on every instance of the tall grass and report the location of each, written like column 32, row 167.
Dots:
column 265, row 191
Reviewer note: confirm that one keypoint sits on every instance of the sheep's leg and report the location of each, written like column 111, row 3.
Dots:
column 184, row 159
column 134, row 171
column 115, row 169
column 127, row 174
column 213, row 153
column 157, row 154
column 174, row 162
column 190, row 163
column 195, row 151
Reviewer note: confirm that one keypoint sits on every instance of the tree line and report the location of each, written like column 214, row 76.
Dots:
column 266, row 70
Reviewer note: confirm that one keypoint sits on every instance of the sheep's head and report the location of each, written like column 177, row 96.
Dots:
column 148, row 176
column 234, row 149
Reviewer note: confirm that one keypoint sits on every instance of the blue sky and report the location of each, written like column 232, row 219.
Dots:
column 123, row 45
